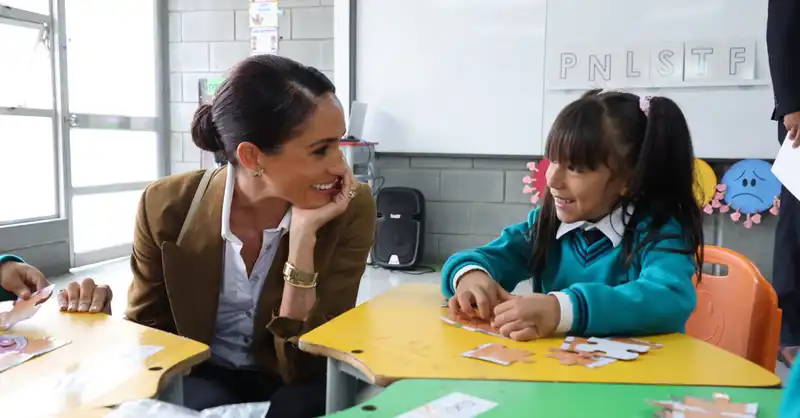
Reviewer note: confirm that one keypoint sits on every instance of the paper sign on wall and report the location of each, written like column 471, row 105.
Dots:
column 264, row 14
column 669, row 64
column 264, row 41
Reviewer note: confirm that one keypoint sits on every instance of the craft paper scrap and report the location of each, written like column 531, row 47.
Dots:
column 691, row 406
column 605, row 347
column 475, row 324
column 15, row 350
column 24, row 309
column 454, row 405
column 92, row 379
column 787, row 167
column 499, row 354
column 571, row 358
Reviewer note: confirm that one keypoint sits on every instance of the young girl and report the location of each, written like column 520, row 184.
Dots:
column 617, row 239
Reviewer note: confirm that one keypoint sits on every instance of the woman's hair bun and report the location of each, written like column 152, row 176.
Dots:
column 204, row 133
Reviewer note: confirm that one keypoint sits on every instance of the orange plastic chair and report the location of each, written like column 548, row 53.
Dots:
column 738, row 311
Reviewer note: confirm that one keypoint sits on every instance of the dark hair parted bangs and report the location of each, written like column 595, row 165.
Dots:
column 644, row 140
column 577, row 137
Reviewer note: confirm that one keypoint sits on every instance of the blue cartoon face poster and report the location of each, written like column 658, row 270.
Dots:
column 748, row 188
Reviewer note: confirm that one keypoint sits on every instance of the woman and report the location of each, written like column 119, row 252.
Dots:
column 274, row 247
column 19, row 280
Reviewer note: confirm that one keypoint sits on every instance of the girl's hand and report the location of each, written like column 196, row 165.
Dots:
column 476, row 287
column 21, row 279
column 529, row 317
column 85, row 296
column 308, row 221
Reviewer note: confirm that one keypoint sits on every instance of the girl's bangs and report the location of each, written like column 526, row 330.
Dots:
column 576, row 137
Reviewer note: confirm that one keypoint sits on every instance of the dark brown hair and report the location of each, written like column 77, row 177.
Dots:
column 265, row 100
column 653, row 150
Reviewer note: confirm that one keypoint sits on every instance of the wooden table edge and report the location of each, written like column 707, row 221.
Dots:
column 349, row 359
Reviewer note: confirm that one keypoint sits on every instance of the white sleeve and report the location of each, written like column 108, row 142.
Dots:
column 466, row 269
column 565, row 324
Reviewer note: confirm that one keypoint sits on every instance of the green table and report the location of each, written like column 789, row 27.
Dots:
column 552, row 400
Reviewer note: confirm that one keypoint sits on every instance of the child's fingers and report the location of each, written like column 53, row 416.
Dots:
column 484, row 304
column 511, row 327
column 465, row 302
column 504, row 306
column 525, row 334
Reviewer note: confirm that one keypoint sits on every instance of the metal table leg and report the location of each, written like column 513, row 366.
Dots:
column 173, row 392
column 341, row 388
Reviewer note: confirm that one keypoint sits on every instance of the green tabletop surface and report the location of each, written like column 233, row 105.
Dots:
column 543, row 399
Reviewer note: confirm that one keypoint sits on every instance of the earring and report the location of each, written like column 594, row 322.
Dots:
column 257, row 172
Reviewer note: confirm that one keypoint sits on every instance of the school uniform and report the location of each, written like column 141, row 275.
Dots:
column 790, row 405
column 598, row 294
column 5, row 295
column 783, row 47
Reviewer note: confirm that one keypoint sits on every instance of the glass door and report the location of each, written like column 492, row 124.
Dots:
column 32, row 220
column 112, row 128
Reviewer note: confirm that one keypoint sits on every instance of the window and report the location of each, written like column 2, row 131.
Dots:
column 105, row 220
column 108, row 156
column 28, row 169
column 29, row 68
column 119, row 80
column 36, row 6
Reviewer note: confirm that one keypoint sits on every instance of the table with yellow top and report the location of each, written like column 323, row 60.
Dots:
column 399, row 335
column 108, row 361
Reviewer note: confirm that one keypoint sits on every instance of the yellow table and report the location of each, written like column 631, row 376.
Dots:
column 398, row 335
column 108, row 361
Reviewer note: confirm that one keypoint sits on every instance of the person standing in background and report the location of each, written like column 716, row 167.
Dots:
column 783, row 47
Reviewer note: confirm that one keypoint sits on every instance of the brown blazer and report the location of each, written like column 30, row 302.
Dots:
column 176, row 288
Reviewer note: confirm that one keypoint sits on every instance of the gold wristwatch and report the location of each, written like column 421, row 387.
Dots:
column 298, row 278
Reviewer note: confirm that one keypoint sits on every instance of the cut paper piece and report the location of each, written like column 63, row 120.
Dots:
column 535, row 185
column 748, row 188
column 694, row 407
column 475, row 324
column 787, row 167
column 500, row 354
column 15, row 350
column 604, row 347
column 454, row 405
column 636, row 341
column 571, row 358
column 24, row 309
column 705, row 183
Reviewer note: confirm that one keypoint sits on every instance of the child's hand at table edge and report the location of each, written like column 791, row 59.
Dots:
column 85, row 296
column 529, row 317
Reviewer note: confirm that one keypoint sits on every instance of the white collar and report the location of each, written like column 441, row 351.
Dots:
column 230, row 181
column 612, row 226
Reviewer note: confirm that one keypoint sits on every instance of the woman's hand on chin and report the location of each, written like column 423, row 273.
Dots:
column 308, row 221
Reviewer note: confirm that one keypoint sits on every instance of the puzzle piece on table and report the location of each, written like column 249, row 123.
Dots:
column 571, row 358
column 15, row 350
column 604, row 347
column 500, row 354
column 694, row 407
column 24, row 309
column 636, row 341
column 476, row 324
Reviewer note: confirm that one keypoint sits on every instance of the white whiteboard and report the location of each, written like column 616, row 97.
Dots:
column 451, row 76
column 477, row 78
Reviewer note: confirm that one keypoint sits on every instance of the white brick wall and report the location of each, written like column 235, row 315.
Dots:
column 206, row 38
column 306, row 29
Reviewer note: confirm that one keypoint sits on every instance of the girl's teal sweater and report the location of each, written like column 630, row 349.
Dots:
column 654, row 295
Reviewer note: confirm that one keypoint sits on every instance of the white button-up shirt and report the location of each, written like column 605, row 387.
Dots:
column 239, row 293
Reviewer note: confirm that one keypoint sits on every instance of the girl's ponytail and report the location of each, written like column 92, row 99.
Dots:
column 664, row 179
